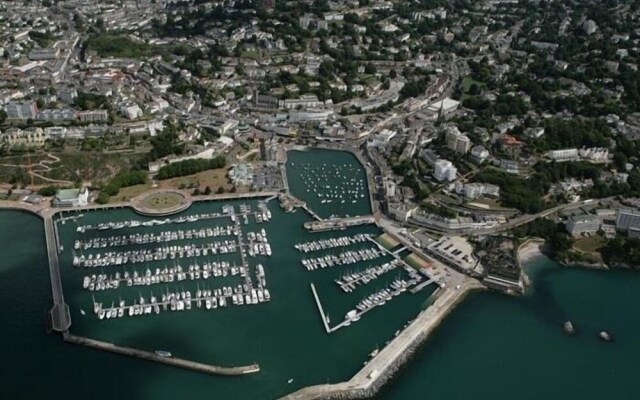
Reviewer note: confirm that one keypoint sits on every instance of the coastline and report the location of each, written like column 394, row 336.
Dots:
column 531, row 250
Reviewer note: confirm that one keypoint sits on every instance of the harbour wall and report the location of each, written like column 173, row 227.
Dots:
column 176, row 362
column 370, row 379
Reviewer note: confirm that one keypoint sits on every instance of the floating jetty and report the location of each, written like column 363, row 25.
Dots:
column 345, row 258
column 157, row 357
column 147, row 238
column 350, row 280
column 181, row 300
column 156, row 254
column 330, row 243
column 176, row 273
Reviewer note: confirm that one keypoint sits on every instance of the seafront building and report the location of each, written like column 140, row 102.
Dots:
column 583, row 224
column 71, row 198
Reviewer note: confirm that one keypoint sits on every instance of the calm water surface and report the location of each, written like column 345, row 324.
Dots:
column 491, row 347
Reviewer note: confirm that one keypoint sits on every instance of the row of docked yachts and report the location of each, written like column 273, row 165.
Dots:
column 350, row 280
column 181, row 300
column 147, row 223
column 376, row 299
column 99, row 282
column 147, row 238
column 155, row 254
column 316, row 245
column 344, row 258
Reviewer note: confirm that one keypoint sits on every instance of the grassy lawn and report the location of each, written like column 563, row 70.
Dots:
column 417, row 262
column 467, row 81
column 109, row 45
column 214, row 178
column 127, row 193
column 249, row 54
column 387, row 241
column 590, row 244
column 161, row 201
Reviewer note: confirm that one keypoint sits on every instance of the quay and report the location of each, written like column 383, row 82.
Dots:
column 337, row 223
column 368, row 381
column 176, row 362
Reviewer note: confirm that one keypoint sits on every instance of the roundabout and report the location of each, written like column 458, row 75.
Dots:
column 161, row 203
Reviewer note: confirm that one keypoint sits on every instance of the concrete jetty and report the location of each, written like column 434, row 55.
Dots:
column 176, row 362
column 60, row 316
column 322, row 314
column 370, row 379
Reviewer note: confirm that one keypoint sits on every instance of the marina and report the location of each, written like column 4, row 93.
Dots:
column 331, row 243
column 344, row 258
column 152, row 270
column 333, row 186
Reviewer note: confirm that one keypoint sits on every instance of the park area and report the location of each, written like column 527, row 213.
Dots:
column 162, row 200
column 589, row 244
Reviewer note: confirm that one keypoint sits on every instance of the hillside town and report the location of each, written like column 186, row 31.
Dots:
column 481, row 124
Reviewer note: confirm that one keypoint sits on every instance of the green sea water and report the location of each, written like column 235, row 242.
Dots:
column 498, row 347
column 492, row 346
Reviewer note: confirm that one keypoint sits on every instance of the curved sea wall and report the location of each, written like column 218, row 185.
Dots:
column 368, row 381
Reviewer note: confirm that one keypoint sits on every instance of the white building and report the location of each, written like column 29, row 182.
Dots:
column 71, row 198
column 564, row 154
column 473, row 190
column 595, row 154
column 457, row 141
column 382, row 139
column 390, row 188
column 582, row 224
column 400, row 211
column 93, row 116
column 479, row 153
column 445, row 171
column 131, row 111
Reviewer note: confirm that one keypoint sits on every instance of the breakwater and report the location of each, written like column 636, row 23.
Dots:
column 176, row 362
column 368, row 381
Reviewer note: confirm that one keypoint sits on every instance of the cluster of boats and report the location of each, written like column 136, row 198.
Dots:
column 176, row 273
column 350, row 280
column 183, row 300
column 331, row 243
column 147, row 238
column 345, row 258
column 258, row 246
column 262, row 215
column 156, row 254
column 378, row 298
column 151, row 222
column 333, row 182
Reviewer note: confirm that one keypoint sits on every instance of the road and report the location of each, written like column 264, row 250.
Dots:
column 525, row 219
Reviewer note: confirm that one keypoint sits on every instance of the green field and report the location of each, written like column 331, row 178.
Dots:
column 590, row 244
